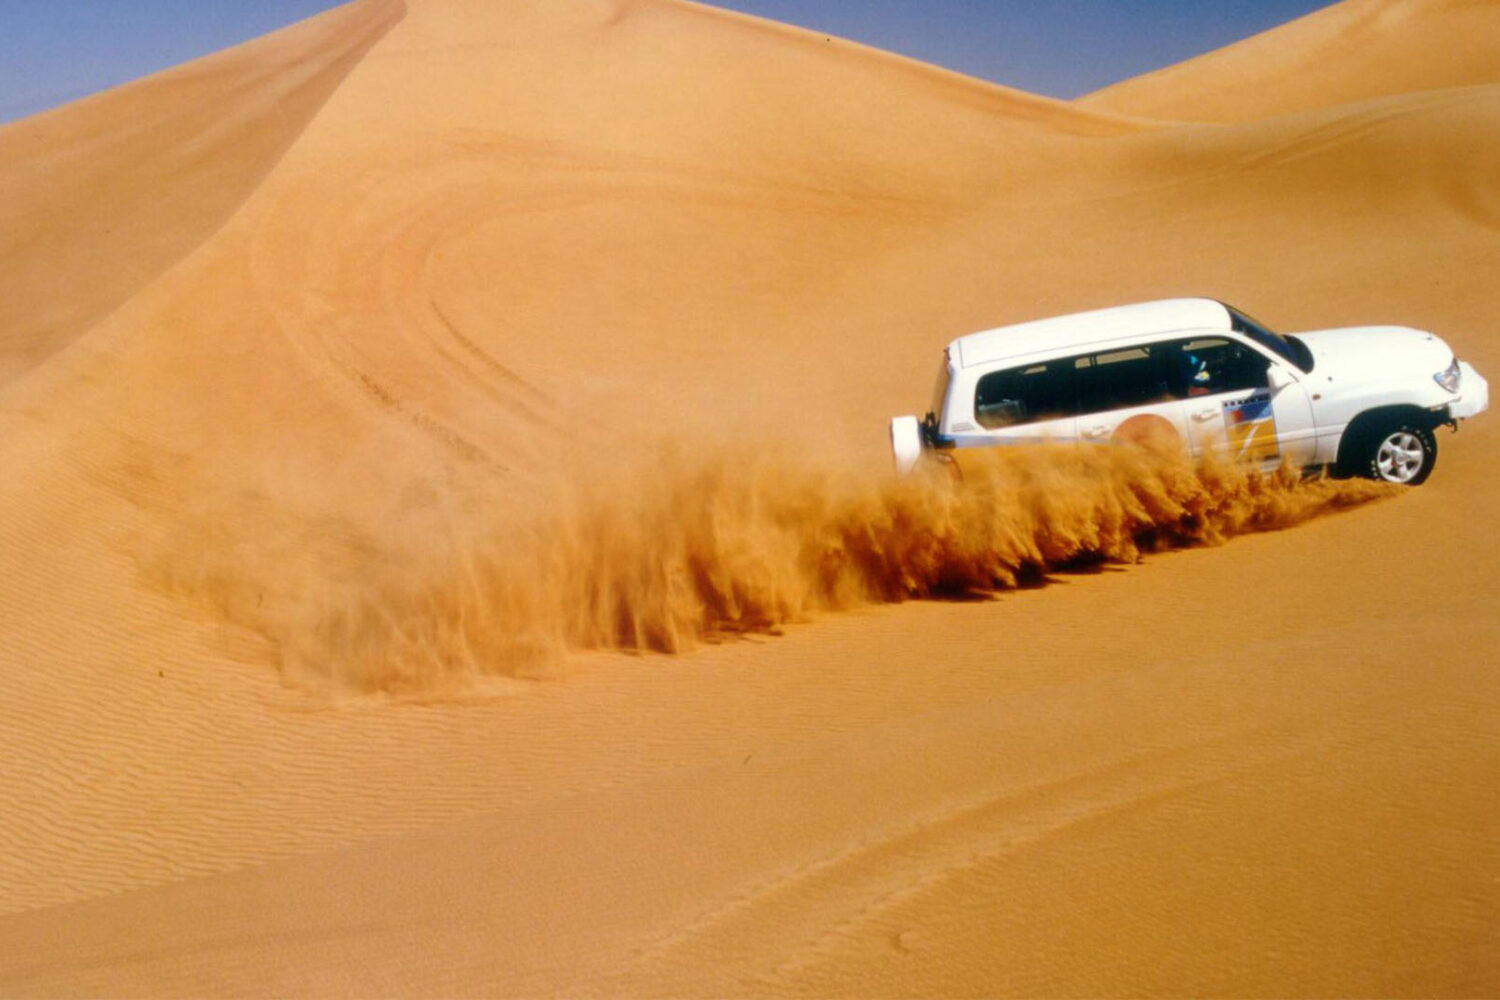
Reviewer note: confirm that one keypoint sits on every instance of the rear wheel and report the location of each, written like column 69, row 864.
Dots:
column 1403, row 453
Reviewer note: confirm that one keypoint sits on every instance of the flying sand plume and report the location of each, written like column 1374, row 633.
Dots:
column 679, row 552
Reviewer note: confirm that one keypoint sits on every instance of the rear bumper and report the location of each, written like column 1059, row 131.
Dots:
column 1473, row 394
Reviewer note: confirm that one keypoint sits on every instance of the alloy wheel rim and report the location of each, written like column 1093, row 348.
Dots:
column 1400, row 457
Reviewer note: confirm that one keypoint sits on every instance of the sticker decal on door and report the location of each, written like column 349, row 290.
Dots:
column 1252, row 428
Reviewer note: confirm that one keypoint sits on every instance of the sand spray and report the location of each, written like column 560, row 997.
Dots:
column 677, row 547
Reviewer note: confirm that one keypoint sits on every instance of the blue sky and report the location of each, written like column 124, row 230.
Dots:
column 55, row 51
column 1061, row 48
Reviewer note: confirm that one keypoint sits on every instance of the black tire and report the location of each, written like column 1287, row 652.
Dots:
column 1400, row 451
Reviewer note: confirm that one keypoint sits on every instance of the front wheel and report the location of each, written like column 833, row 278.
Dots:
column 1403, row 453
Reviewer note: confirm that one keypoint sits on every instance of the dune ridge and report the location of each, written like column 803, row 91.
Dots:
column 1350, row 51
column 99, row 198
column 408, row 372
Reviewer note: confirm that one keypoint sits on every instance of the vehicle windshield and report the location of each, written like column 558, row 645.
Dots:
column 1289, row 348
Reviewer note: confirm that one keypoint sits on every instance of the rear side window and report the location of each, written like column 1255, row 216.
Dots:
column 1026, row 395
column 1115, row 380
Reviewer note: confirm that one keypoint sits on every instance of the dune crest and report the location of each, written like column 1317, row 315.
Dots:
column 420, row 294
column 1351, row 51
column 102, row 196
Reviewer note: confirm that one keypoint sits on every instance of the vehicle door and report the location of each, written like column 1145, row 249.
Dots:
column 1125, row 394
column 1231, row 406
column 1029, row 403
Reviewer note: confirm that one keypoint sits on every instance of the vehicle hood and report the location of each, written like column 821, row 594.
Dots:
column 1375, row 352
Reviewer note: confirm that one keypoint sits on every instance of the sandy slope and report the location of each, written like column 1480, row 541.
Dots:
column 383, row 408
column 84, row 216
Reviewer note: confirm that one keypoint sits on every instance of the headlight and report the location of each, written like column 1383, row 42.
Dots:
column 1448, row 377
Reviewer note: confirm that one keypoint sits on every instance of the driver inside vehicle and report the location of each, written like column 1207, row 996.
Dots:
column 1204, row 367
column 1197, row 377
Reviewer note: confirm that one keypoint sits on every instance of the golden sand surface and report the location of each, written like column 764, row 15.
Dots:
column 448, row 545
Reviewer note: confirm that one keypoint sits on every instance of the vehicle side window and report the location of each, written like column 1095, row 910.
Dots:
column 1132, row 376
column 1207, row 365
column 1025, row 395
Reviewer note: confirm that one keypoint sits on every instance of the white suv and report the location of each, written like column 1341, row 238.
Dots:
column 1364, row 401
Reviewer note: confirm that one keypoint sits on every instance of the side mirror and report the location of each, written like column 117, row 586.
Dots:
column 1278, row 377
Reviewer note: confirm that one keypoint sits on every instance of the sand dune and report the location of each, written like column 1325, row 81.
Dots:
column 104, row 196
column 484, row 342
column 1350, row 51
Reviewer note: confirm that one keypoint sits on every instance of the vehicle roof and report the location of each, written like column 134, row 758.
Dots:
column 1061, row 333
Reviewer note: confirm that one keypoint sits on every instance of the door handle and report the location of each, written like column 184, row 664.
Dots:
column 1096, row 432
